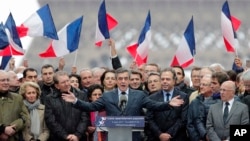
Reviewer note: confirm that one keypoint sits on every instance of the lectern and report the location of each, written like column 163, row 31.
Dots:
column 120, row 128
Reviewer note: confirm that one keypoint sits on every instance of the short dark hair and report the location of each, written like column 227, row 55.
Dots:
column 104, row 75
column 47, row 66
column 170, row 70
column 182, row 70
column 220, row 76
column 78, row 78
column 28, row 69
column 136, row 72
column 93, row 87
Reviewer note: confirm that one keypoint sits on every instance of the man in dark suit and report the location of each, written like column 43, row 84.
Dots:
column 225, row 113
column 136, row 100
column 170, row 124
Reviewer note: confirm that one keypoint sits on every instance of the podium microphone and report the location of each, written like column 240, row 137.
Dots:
column 122, row 102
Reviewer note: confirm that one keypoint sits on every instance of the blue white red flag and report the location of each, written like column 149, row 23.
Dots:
column 228, row 29
column 139, row 51
column 3, row 44
column 105, row 23
column 3, row 37
column 39, row 24
column 184, row 55
column 4, row 62
column 15, row 46
column 68, row 42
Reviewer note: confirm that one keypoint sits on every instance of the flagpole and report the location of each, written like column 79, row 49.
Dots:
column 74, row 63
column 236, row 46
column 194, row 56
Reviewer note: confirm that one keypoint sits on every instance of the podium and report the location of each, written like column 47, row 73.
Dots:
column 120, row 128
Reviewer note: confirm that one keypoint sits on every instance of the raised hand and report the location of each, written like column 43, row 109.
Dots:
column 69, row 97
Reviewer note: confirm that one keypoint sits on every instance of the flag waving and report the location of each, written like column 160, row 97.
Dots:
column 139, row 51
column 38, row 24
column 3, row 37
column 184, row 55
column 68, row 42
column 228, row 27
column 105, row 23
column 15, row 46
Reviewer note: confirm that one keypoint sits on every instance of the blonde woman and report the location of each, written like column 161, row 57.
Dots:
column 36, row 129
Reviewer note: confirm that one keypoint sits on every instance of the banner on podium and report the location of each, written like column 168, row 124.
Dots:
column 120, row 121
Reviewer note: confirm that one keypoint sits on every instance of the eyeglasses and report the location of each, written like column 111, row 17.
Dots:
column 203, row 84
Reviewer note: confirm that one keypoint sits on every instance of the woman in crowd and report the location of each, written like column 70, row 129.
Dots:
column 75, row 81
column 108, row 80
column 36, row 129
column 94, row 92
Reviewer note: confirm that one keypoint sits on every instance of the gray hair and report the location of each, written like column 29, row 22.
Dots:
column 246, row 75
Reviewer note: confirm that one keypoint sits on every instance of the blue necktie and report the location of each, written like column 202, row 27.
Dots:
column 167, row 96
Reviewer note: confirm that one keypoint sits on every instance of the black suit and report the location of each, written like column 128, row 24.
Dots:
column 136, row 101
column 172, row 121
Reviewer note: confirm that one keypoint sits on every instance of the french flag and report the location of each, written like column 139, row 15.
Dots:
column 3, row 44
column 68, row 42
column 229, row 26
column 184, row 55
column 139, row 51
column 4, row 62
column 39, row 24
column 3, row 37
column 14, row 46
column 105, row 23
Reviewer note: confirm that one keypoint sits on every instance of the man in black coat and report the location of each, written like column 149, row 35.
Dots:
column 63, row 120
column 170, row 124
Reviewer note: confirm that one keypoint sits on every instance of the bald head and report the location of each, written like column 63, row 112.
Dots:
column 227, row 90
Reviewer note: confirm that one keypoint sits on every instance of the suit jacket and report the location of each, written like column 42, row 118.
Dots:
column 44, row 131
column 171, row 121
column 216, row 130
column 116, row 63
column 136, row 101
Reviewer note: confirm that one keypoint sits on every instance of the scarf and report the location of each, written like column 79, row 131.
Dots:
column 34, row 116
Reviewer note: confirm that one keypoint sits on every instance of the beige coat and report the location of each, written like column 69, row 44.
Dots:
column 44, row 131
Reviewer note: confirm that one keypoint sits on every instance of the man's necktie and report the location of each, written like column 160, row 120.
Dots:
column 167, row 96
column 226, row 112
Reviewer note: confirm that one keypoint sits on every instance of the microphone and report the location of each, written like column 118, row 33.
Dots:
column 122, row 102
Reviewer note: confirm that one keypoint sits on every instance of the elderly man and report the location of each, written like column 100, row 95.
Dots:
column 14, row 114
column 225, row 113
column 198, row 110
column 63, row 120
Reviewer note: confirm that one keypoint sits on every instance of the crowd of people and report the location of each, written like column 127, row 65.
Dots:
column 62, row 105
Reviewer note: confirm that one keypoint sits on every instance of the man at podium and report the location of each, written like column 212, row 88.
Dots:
column 123, row 101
